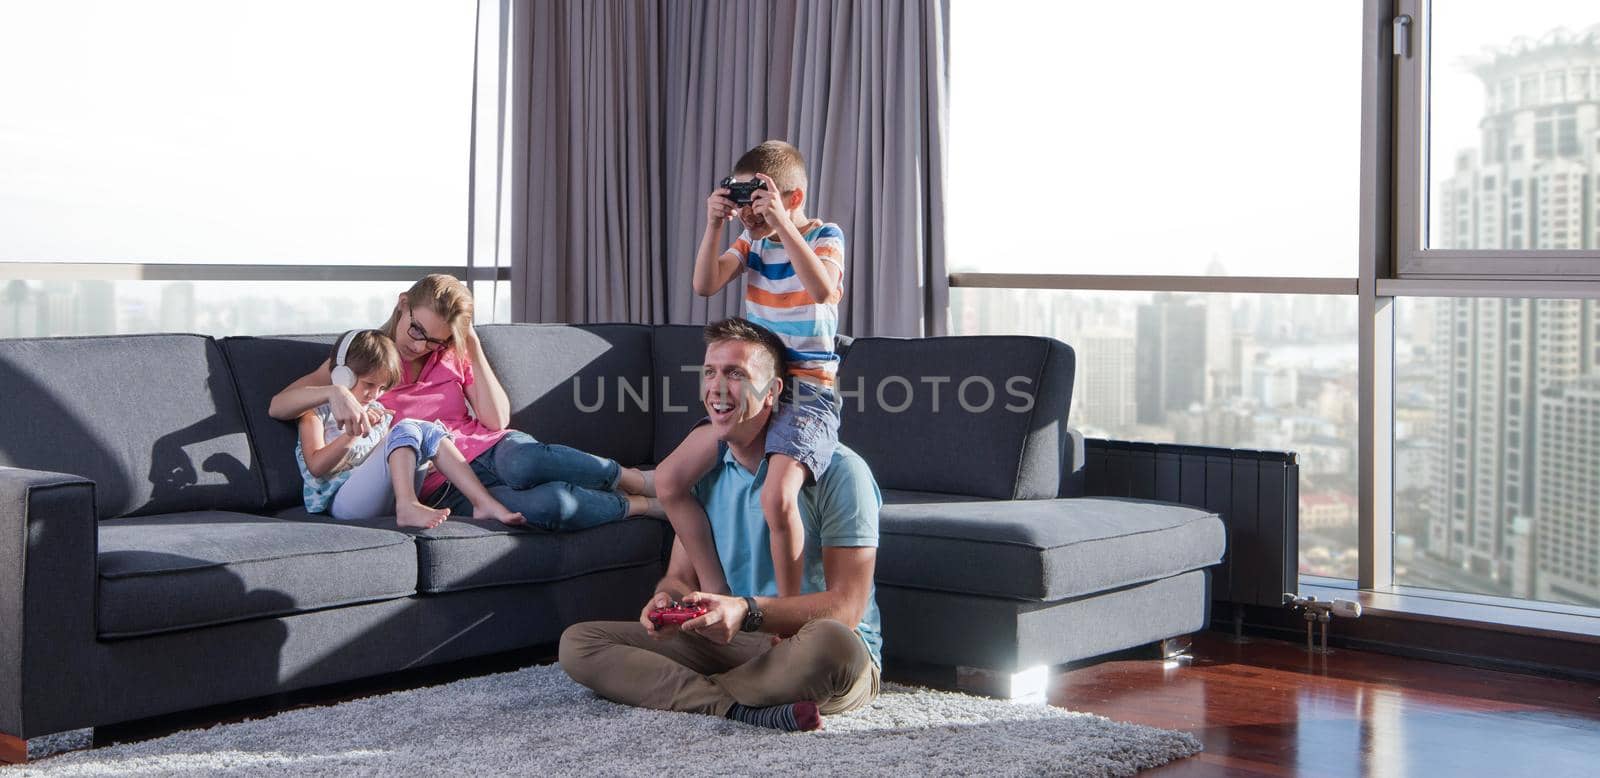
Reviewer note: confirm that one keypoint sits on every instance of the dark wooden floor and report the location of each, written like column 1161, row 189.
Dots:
column 1268, row 708
column 1262, row 708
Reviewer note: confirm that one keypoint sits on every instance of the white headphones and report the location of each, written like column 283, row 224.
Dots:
column 342, row 374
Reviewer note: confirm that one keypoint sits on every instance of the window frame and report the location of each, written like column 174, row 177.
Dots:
column 1411, row 65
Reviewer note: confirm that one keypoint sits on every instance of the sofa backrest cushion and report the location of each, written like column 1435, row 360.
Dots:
column 976, row 415
column 153, row 420
column 680, row 350
column 585, row 386
column 262, row 367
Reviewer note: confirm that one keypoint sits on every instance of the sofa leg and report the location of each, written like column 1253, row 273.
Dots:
column 1023, row 685
column 1179, row 647
column 16, row 750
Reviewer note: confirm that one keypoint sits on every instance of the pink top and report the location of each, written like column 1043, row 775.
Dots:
column 440, row 394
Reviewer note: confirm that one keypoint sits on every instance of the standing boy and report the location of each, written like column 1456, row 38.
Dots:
column 793, row 268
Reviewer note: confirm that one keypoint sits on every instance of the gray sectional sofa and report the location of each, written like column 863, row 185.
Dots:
column 154, row 556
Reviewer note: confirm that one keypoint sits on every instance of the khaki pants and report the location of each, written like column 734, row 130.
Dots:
column 824, row 662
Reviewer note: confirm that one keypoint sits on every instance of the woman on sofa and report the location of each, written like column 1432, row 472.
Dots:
column 446, row 378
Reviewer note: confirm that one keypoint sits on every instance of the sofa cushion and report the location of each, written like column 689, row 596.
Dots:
column 178, row 571
column 467, row 553
column 261, row 368
column 583, row 386
column 976, row 415
column 1041, row 550
column 153, row 420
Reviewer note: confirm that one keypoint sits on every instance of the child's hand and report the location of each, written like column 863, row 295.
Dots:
column 768, row 204
column 375, row 415
column 348, row 412
column 719, row 209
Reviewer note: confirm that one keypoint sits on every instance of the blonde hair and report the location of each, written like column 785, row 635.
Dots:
column 777, row 160
column 445, row 295
column 369, row 351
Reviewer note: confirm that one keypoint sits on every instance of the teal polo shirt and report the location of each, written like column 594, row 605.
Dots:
column 841, row 510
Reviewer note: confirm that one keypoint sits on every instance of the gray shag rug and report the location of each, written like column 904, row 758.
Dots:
column 537, row 721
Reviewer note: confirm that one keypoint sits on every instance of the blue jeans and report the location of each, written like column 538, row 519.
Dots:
column 553, row 487
column 805, row 427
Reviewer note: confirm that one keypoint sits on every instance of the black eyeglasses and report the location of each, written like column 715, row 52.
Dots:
column 418, row 333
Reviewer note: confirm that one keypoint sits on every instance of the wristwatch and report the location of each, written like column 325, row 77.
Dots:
column 753, row 617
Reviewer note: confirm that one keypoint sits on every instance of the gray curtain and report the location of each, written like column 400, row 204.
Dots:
column 630, row 110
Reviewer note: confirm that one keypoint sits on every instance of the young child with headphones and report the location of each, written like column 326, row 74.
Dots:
column 342, row 477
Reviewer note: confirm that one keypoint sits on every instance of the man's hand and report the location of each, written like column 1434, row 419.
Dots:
column 657, row 602
column 348, row 412
column 768, row 204
column 723, row 619
column 719, row 209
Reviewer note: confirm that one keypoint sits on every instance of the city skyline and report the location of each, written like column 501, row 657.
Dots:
column 1285, row 380
column 216, row 308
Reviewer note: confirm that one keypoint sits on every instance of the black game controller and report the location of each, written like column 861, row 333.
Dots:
column 742, row 192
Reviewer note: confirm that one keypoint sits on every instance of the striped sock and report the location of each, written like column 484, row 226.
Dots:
column 794, row 717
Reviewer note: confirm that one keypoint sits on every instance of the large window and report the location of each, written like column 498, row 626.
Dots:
column 1091, row 149
column 296, row 132
column 1092, row 138
column 1500, row 112
column 236, row 168
column 1446, row 406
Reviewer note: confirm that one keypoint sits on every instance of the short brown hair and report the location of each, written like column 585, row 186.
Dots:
column 370, row 350
column 777, row 160
column 744, row 331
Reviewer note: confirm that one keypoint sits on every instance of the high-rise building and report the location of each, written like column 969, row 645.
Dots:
column 1529, row 183
column 56, row 312
column 1492, row 359
column 1171, row 368
column 1509, row 435
column 1105, row 381
column 177, row 307
column 97, row 308
column 20, row 315
column 1567, row 532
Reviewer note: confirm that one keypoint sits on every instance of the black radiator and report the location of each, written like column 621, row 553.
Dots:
column 1256, row 493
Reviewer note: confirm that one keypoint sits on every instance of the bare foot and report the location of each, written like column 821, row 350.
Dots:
column 493, row 509
column 636, row 481
column 419, row 516
column 640, row 505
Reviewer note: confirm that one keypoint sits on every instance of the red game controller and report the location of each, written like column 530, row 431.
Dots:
column 676, row 613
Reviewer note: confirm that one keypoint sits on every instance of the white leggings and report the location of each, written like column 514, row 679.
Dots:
column 369, row 493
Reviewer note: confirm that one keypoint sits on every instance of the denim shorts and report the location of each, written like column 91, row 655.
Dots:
column 805, row 427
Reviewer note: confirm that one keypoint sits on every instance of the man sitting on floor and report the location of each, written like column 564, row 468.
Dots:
column 780, row 662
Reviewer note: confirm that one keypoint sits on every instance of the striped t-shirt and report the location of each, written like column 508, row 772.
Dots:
column 774, row 298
